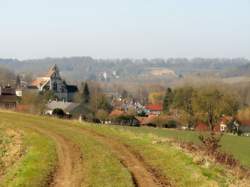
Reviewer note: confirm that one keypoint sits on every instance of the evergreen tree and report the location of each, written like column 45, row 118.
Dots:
column 86, row 94
column 168, row 100
column 18, row 81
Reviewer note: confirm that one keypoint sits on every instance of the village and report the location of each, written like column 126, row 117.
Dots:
column 51, row 95
column 125, row 93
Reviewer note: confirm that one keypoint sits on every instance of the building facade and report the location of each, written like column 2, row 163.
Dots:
column 52, row 81
column 8, row 98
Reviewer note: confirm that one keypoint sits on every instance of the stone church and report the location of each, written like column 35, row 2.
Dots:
column 53, row 81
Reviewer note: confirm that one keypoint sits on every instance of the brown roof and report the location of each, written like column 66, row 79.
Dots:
column 226, row 119
column 149, row 119
column 141, row 119
column 39, row 82
column 117, row 113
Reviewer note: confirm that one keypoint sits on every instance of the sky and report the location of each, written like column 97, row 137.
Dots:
column 125, row 28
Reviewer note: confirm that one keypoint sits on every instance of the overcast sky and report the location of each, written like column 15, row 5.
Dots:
column 124, row 28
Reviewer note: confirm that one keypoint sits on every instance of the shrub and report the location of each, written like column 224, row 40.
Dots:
column 126, row 120
column 102, row 115
column 210, row 142
column 58, row 112
column 225, row 158
column 171, row 124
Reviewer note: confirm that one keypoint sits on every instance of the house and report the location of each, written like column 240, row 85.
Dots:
column 200, row 126
column 153, row 109
column 242, row 127
column 67, row 107
column 223, row 124
column 53, row 81
column 126, row 105
column 8, row 97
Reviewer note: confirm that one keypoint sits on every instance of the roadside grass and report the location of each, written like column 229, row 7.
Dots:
column 35, row 167
column 4, row 143
column 171, row 161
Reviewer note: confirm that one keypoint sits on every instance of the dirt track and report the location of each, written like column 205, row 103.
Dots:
column 69, row 170
column 142, row 174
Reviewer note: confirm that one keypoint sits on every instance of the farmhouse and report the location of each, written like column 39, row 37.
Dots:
column 53, row 81
column 8, row 97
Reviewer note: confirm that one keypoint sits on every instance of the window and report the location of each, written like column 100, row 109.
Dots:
column 55, row 86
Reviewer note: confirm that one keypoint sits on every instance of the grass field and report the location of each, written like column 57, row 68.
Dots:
column 236, row 145
column 68, row 153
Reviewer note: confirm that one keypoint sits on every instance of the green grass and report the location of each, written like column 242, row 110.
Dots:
column 4, row 144
column 236, row 145
column 176, row 165
column 36, row 167
column 101, row 167
column 39, row 157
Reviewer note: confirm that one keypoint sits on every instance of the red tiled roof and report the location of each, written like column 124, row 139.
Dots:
column 201, row 127
column 154, row 107
column 39, row 82
column 141, row 119
column 204, row 127
column 116, row 113
column 226, row 119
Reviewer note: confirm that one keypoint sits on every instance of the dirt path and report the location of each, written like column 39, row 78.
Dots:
column 69, row 169
column 142, row 174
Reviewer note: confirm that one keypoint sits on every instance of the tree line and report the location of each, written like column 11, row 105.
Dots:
column 206, row 104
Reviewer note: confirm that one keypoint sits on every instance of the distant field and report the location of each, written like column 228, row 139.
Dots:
column 68, row 153
column 238, row 79
column 162, row 72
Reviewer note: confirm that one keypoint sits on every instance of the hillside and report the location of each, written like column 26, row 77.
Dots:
column 83, row 68
column 62, row 153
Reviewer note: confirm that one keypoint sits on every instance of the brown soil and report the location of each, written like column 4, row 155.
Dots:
column 69, row 170
column 142, row 174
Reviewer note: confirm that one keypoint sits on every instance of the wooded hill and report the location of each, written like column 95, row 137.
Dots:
column 87, row 68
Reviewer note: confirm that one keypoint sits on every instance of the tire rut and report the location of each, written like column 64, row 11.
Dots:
column 142, row 174
column 69, row 169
